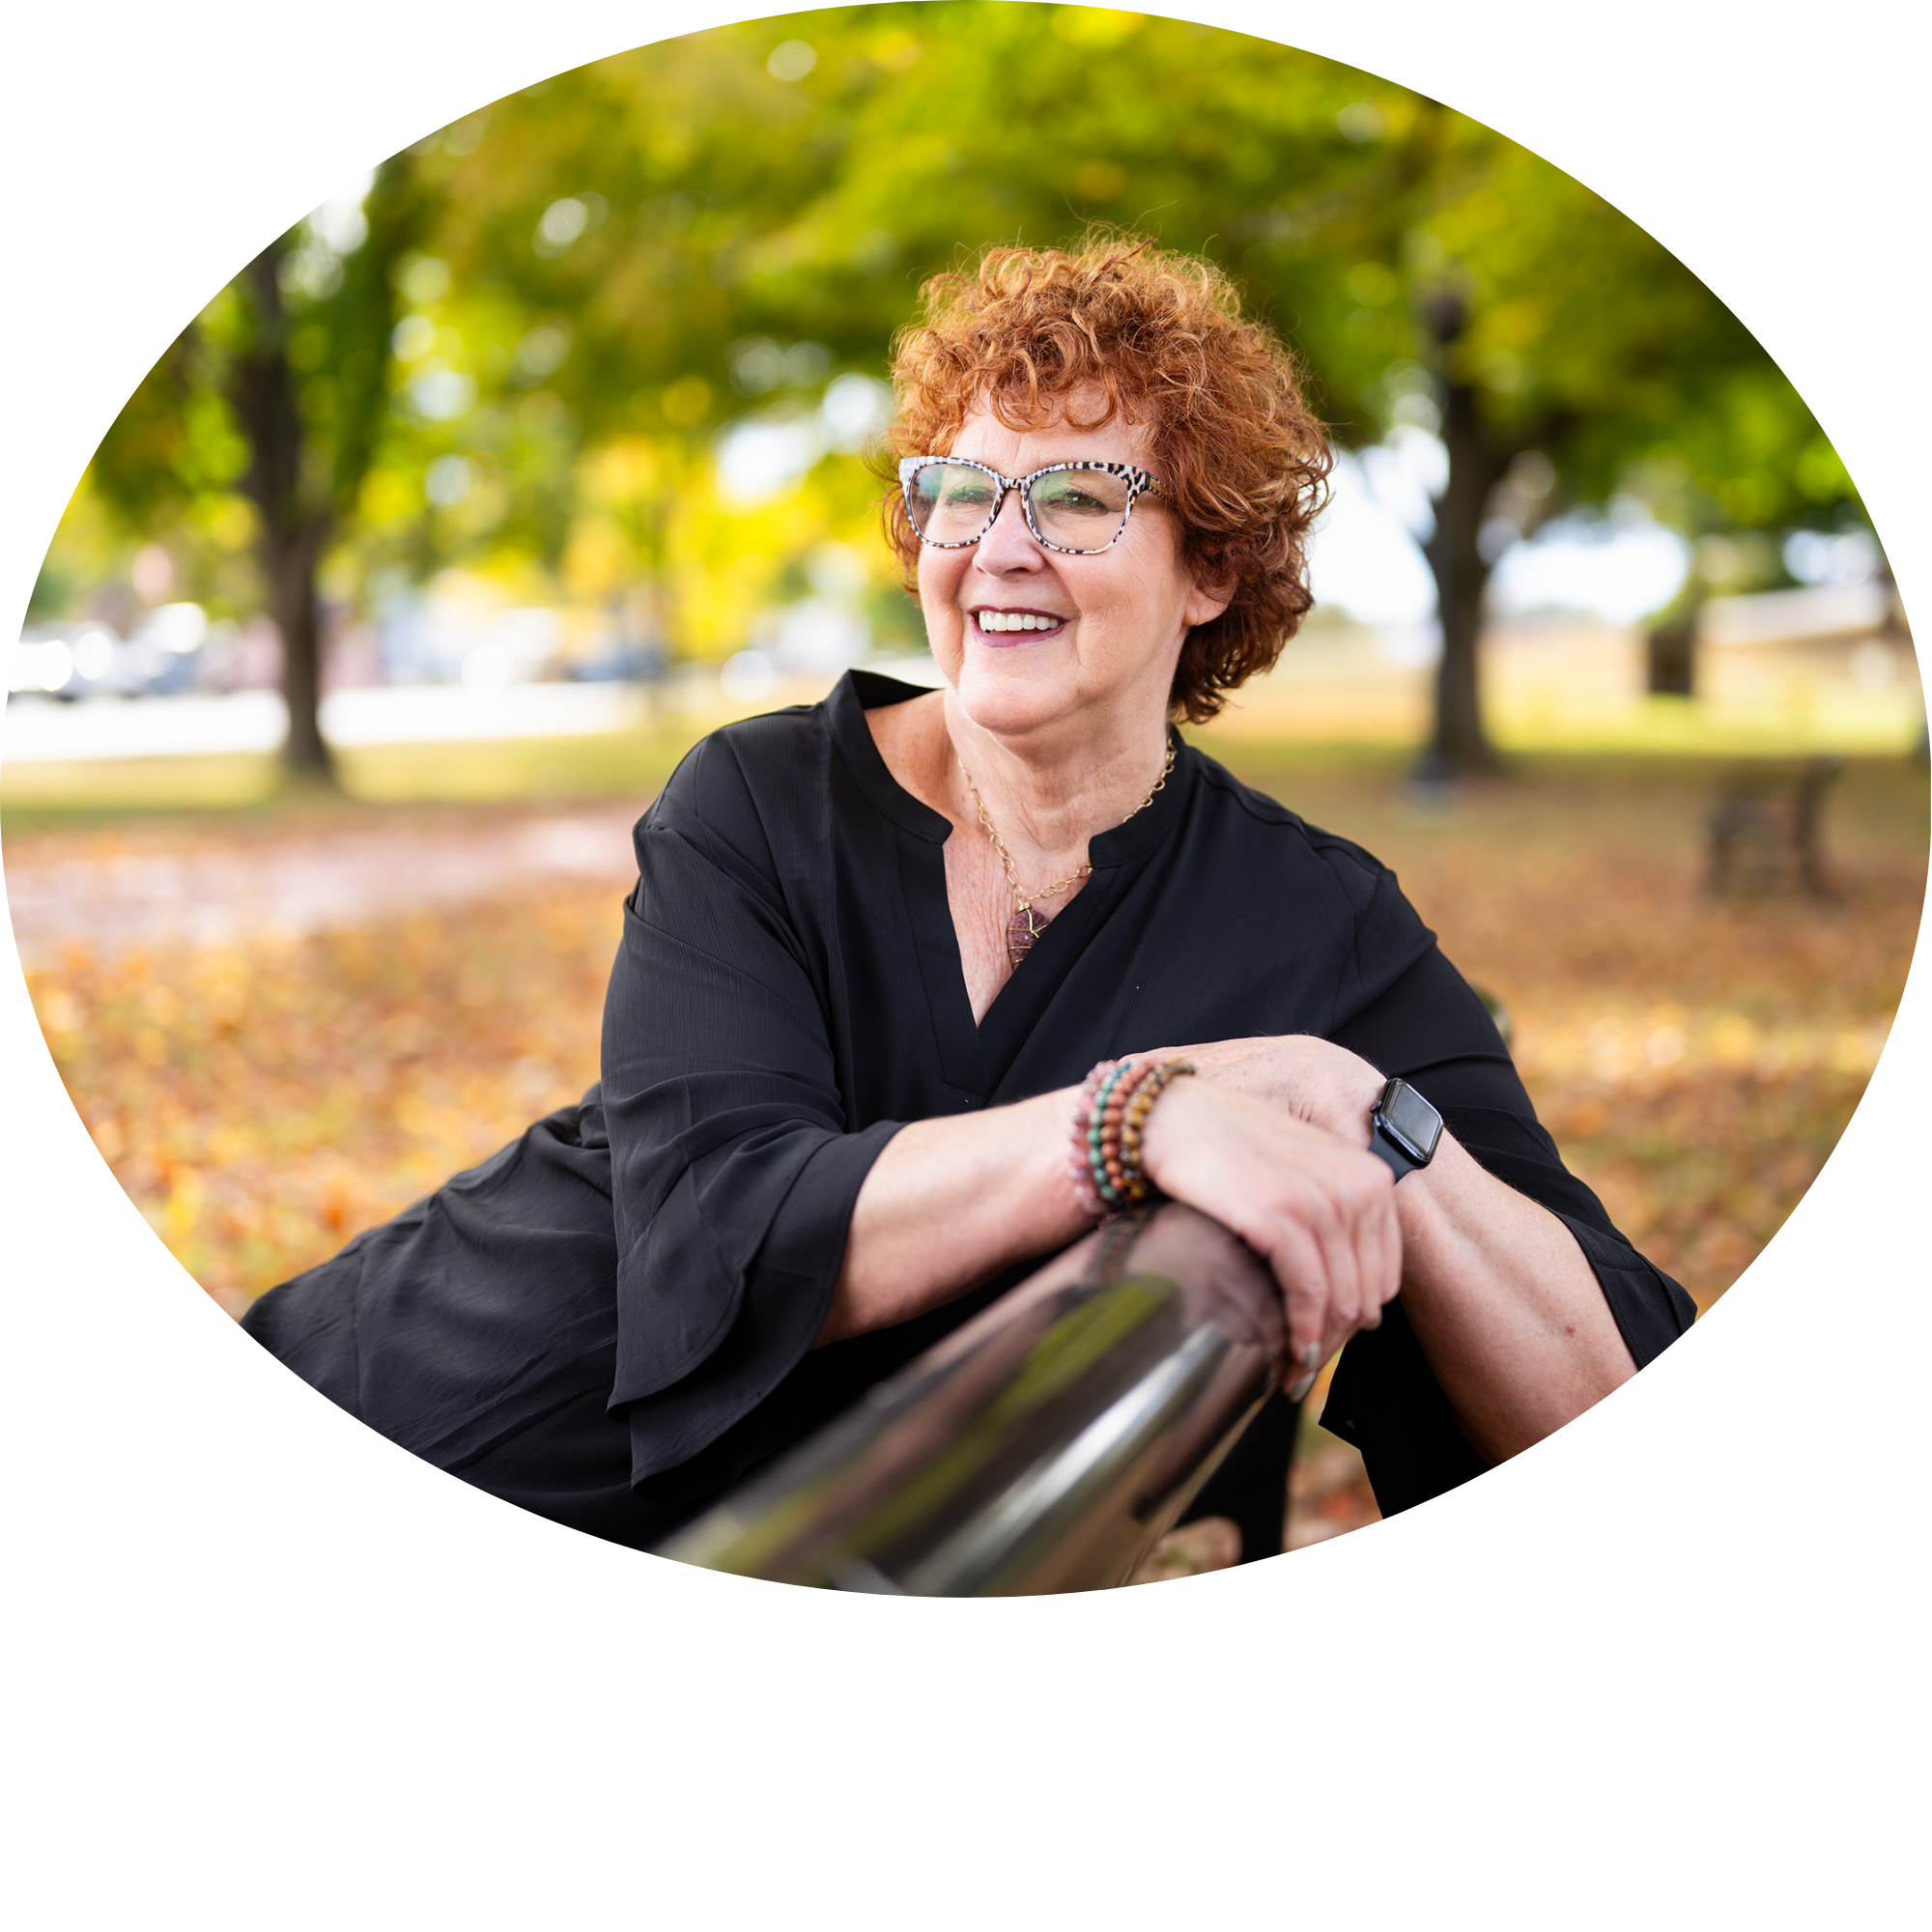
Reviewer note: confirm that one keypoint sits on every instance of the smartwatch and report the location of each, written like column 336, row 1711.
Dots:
column 1403, row 1128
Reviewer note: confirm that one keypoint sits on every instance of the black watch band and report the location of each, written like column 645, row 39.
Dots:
column 1403, row 1128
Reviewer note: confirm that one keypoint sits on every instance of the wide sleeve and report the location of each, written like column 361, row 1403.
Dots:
column 734, row 1167
column 1432, row 1030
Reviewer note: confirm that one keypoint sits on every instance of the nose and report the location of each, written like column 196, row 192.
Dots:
column 1009, row 547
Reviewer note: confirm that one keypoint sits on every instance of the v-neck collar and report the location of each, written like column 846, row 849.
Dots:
column 855, row 694
column 975, row 1057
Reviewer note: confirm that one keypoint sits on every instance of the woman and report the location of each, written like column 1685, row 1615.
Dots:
column 877, row 945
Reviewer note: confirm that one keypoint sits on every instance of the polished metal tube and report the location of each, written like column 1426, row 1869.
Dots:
column 1043, row 1446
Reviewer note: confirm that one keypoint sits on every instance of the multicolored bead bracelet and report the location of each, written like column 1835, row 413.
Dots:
column 1078, row 1167
column 1109, row 1125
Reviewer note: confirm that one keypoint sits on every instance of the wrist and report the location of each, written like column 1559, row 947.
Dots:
column 1169, row 1127
column 1426, row 1203
column 1107, row 1166
column 1403, row 1130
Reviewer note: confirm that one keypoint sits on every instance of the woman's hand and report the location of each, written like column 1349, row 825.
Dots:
column 1273, row 1144
column 1315, row 1080
column 1318, row 1208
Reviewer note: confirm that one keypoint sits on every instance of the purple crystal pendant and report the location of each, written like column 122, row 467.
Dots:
column 1022, row 929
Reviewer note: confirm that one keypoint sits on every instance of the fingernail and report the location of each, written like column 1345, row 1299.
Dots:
column 1297, row 1389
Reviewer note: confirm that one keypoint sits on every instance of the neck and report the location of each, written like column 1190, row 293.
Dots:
column 1049, row 794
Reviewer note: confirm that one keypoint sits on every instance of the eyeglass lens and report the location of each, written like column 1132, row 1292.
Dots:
column 1078, row 509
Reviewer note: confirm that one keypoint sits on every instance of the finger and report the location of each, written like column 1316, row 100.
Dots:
column 1338, row 1231
column 1313, row 1243
column 1325, row 1212
column 1379, row 1236
column 1344, row 1210
column 1342, row 1317
column 1296, row 1260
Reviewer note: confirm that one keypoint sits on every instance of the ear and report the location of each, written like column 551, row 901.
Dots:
column 1207, row 601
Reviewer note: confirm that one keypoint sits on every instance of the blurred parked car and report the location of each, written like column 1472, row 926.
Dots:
column 86, row 658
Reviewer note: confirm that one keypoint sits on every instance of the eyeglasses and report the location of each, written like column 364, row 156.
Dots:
column 1077, row 509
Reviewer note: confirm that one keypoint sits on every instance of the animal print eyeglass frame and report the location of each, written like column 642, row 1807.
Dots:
column 953, row 501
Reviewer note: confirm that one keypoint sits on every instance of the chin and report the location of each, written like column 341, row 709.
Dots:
column 1000, row 691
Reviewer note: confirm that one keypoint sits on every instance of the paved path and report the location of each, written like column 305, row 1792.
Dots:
column 209, row 893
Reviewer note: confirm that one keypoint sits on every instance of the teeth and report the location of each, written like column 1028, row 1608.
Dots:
column 1014, row 620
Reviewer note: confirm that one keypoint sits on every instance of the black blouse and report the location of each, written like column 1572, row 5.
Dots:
column 610, row 1320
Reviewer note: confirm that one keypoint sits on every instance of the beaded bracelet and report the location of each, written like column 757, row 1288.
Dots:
column 1086, row 1163
column 1103, row 1130
column 1108, row 1122
column 1078, row 1168
column 1134, row 1182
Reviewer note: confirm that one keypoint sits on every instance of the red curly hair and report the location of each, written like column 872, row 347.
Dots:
column 1242, row 461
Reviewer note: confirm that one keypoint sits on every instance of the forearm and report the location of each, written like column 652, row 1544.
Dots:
column 1508, row 1311
column 950, row 1203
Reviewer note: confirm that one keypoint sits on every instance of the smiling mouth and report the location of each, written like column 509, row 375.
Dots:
column 1005, row 627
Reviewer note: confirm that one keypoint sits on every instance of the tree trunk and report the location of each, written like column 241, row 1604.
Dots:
column 293, row 532
column 1458, row 745
column 1670, row 659
column 296, row 616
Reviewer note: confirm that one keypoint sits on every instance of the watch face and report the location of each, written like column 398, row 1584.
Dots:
column 1413, row 1118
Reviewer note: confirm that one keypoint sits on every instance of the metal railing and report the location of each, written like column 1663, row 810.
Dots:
column 1043, row 1446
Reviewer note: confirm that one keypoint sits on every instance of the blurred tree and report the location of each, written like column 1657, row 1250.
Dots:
column 1435, row 274
column 1432, row 273
column 310, row 347
column 630, row 256
column 277, row 392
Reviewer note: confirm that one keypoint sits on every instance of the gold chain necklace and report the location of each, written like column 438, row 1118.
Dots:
column 1027, row 924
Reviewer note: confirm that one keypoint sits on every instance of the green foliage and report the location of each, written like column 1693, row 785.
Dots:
column 586, row 280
